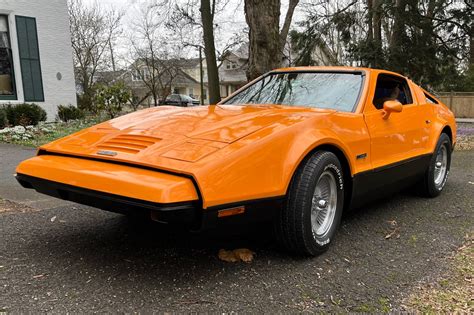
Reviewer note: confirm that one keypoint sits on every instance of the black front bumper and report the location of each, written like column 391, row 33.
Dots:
column 188, row 213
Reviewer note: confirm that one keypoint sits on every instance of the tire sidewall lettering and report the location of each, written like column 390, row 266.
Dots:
column 441, row 186
column 336, row 170
column 321, row 242
column 338, row 174
column 445, row 179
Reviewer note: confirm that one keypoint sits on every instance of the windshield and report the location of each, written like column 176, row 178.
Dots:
column 339, row 91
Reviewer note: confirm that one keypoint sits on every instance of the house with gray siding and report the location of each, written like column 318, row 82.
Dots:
column 35, row 54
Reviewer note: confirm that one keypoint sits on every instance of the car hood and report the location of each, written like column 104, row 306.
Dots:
column 182, row 134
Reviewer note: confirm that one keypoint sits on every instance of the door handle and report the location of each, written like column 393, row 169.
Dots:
column 428, row 121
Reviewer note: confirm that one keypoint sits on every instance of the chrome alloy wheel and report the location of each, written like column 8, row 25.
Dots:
column 441, row 165
column 324, row 203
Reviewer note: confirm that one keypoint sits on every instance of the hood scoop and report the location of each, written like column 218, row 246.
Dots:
column 128, row 143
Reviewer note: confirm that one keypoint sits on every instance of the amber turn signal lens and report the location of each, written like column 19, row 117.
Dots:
column 230, row 211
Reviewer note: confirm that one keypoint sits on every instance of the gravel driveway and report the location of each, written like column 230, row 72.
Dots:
column 73, row 258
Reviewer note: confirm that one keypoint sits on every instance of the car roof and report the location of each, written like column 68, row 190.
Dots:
column 323, row 68
column 335, row 68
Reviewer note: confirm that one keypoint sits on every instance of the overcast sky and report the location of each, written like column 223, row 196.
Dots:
column 231, row 20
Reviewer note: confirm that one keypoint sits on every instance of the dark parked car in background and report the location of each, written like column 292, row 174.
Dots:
column 180, row 100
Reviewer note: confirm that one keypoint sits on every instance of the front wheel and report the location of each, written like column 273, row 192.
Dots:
column 312, row 212
column 438, row 170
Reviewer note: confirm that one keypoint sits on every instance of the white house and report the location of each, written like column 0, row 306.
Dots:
column 35, row 54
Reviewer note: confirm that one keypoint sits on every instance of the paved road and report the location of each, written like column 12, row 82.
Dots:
column 10, row 156
column 70, row 258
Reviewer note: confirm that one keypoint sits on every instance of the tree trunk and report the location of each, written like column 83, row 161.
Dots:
column 370, row 31
column 397, row 55
column 471, row 38
column 471, row 48
column 286, row 26
column 377, row 31
column 266, row 42
column 370, row 18
column 207, row 18
column 265, row 51
column 155, row 99
column 398, row 24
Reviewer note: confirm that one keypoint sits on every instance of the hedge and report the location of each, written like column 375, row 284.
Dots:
column 70, row 112
column 25, row 114
column 3, row 118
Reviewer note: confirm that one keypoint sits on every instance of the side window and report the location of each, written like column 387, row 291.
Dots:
column 390, row 87
column 430, row 99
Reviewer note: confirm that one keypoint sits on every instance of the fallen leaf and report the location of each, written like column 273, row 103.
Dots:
column 395, row 230
column 334, row 301
column 227, row 255
column 244, row 254
column 240, row 254
column 392, row 222
column 391, row 234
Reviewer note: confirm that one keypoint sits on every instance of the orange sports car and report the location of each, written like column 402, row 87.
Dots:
column 298, row 146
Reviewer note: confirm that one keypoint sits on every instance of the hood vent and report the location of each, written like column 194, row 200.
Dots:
column 128, row 143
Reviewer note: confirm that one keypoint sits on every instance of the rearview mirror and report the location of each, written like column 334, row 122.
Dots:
column 391, row 107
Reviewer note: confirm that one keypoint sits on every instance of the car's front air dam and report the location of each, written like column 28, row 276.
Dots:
column 108, row 186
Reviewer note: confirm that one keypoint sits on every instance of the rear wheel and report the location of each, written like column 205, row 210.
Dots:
column 311, row 214
column 438, row 170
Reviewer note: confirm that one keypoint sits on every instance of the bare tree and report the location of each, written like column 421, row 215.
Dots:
column 198, row 30
column 331, row 29
column 208, row 10
column 93, row 30
column 153, row 54
column 265, row 38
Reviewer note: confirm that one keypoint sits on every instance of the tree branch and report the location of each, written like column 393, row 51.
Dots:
column 288, row 18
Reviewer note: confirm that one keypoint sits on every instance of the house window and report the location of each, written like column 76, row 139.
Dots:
column 139, row 75
column 231, row 65
column 29, row 59
column 146, row 74
column 191, row 92
column 7, row 78
column 136, row 75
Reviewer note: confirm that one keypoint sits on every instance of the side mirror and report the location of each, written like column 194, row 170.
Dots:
column 391, row 107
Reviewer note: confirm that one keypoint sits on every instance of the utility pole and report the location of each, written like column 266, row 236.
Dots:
column 112, row 55
column 201, row 75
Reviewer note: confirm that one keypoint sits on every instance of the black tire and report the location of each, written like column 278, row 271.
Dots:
column 429, row 187
column 293, row 226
